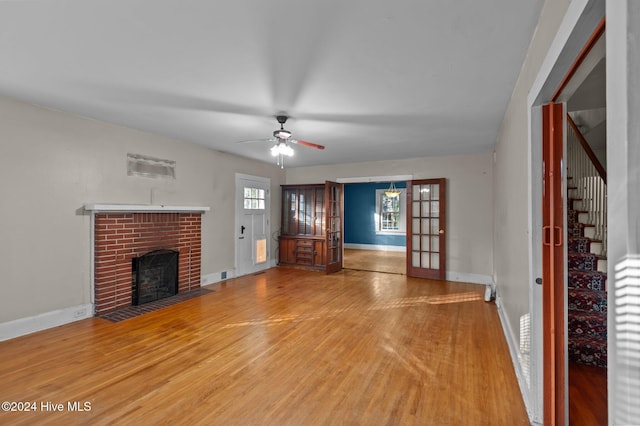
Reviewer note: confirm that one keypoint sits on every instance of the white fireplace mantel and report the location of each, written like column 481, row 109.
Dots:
column 143, row 208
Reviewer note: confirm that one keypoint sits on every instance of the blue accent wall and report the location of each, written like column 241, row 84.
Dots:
column 359, row 215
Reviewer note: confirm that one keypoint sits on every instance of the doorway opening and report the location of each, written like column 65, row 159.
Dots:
column 554, row 213
column 375, row 226
column 584, row 97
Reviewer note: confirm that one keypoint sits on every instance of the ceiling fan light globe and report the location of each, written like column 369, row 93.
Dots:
column 281, row 148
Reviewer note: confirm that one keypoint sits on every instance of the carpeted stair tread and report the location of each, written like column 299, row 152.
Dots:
column 588, row 350
column 586, row 293
column 591, row 280
column 585, row 300
column 583, row 261
column 577, row 229
column 582, row 324
column 579, row 245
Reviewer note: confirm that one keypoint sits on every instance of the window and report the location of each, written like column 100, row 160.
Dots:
column 390, row 212
column 254, row 198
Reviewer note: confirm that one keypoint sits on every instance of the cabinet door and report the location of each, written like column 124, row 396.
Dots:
column 318, row 253
column 287, row 250
column 305, row 211
column 318, row 215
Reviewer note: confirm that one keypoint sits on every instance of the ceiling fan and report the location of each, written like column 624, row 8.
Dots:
column 282, row 138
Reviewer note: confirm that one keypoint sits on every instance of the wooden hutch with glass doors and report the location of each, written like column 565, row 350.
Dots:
column 311, row 232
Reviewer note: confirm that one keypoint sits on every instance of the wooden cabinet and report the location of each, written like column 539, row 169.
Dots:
column 303, row 210
column 303, row 235
column 302, row 251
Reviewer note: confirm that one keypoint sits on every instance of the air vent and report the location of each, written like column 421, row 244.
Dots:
column 141, row 165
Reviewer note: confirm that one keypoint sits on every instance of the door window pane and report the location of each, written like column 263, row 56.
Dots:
column 254, row 198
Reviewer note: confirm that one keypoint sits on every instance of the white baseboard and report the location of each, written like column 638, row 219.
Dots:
column 376, row 247
column 216, row 277
column 466, row 277
column 514, row 351
column 22, row 326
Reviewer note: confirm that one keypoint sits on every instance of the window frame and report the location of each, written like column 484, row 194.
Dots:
column 402, row 216
column 260, row 198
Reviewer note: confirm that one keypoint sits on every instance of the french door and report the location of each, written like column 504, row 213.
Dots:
column 333, row 243
column 426, row 228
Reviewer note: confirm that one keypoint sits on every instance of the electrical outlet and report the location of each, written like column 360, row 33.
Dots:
column 223, row 275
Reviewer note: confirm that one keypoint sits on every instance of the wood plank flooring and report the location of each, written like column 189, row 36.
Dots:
column 284, row 347
column 393, row 262
column 587, row 395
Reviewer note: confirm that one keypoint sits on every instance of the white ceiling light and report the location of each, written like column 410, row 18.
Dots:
column 280, row 150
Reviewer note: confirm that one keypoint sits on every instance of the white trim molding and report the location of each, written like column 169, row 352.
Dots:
column 372, row 179
column 466, row 277
column 28, row 325
column 144, row 208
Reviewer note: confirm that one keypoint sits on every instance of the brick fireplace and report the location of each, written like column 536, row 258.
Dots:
column 121, row 236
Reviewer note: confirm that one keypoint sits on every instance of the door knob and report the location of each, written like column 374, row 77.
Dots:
column 242, row 228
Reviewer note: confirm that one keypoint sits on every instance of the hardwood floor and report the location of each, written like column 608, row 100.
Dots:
column 285, row 347
column 393, row 262
column 587, row 395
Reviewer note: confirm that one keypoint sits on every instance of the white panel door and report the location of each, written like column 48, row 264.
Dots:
column 252, row 224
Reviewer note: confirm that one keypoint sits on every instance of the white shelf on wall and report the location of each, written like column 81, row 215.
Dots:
column 97, row 208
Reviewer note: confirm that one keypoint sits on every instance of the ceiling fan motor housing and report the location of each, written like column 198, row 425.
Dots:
column 282, row 134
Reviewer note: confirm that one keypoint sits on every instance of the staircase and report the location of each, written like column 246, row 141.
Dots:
column 586, row 246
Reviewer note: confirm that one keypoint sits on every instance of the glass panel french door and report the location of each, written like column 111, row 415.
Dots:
column 426, row 228
column 333, row 243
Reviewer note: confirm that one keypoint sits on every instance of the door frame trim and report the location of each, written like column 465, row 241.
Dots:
column 580, row 20
column 368, row 179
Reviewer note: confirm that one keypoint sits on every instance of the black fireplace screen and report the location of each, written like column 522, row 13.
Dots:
column 155, row 276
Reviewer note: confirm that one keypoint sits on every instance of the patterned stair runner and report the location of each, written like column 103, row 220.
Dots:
column 587, row 297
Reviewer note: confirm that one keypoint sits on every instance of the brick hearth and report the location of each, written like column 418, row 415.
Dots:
column 119, row 237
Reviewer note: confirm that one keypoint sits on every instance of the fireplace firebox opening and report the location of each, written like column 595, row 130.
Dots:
column 154, row 276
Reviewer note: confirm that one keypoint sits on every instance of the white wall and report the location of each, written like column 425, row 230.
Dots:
column 469, row 199
column 517, row 181
column 51, row 163
column 623, row 187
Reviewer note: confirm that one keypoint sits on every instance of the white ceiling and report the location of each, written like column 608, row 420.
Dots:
column 369, row 79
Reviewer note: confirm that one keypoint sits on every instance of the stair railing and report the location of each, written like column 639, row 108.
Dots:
column 590, row 179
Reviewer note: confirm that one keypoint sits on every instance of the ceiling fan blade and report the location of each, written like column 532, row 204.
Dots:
column 257, row 140
column 305, row 143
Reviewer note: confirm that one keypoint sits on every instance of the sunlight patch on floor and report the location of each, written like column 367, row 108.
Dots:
column 429, row 300
column 405, row 302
